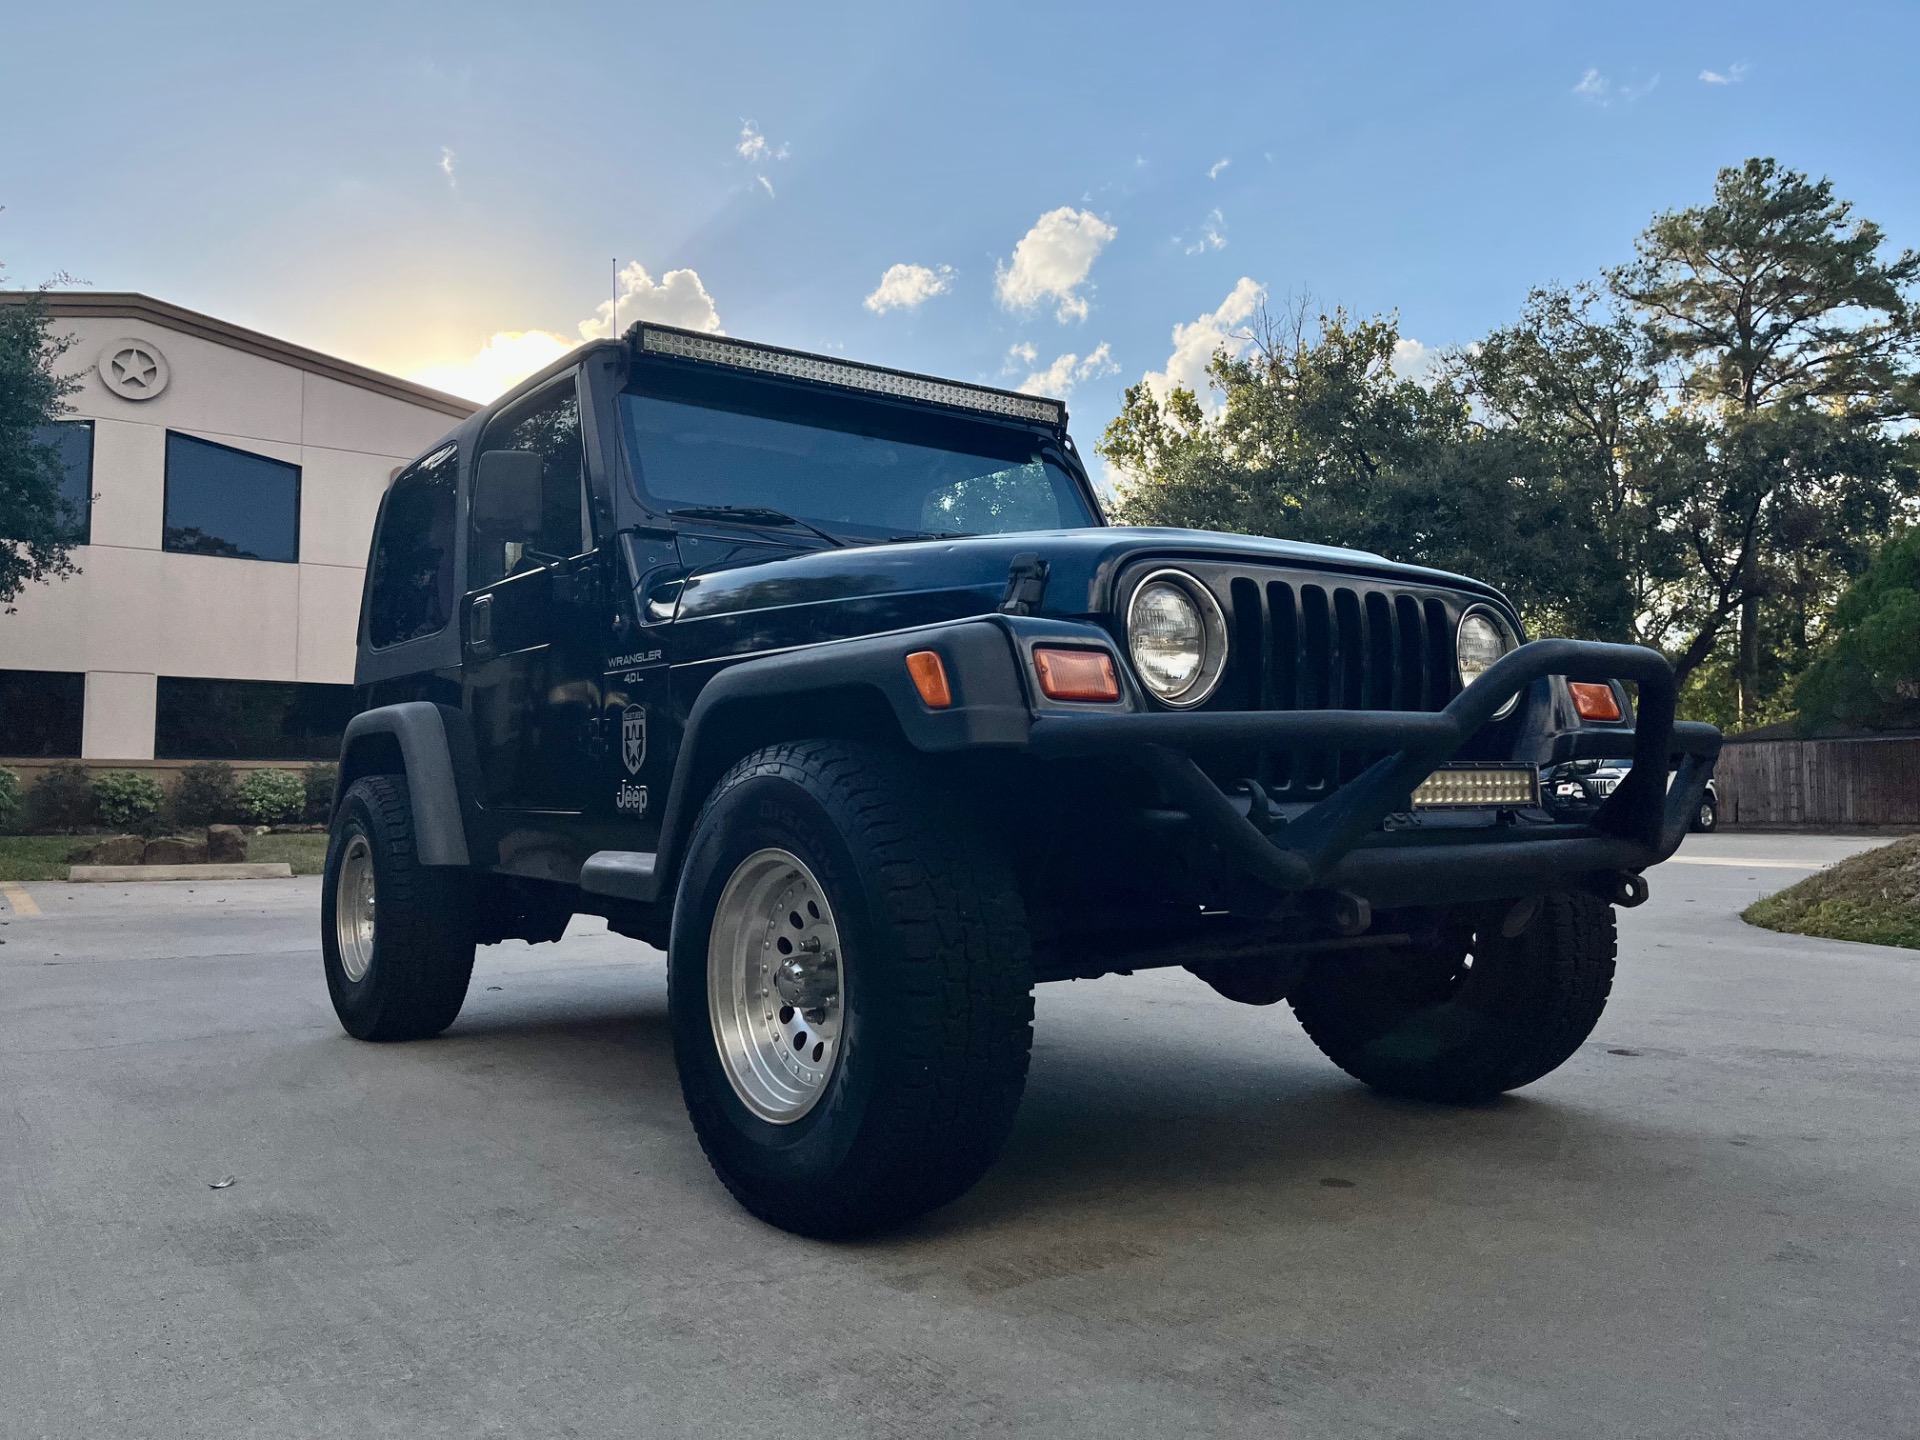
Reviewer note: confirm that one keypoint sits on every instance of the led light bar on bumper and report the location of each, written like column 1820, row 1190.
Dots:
column 796, row 364
column 1455, row 787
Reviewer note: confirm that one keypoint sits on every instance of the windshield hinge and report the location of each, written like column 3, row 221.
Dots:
column 1026, row 585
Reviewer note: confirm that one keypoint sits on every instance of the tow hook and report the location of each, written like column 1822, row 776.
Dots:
column 1627, row 889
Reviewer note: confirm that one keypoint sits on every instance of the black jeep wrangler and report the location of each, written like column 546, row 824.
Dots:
column 832, row 682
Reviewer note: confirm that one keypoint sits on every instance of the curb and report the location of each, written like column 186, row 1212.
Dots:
column 117, row 874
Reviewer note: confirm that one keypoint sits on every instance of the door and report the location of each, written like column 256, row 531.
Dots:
column 536, row 620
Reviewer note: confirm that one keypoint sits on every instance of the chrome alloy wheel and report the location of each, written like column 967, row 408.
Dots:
column 353, row 909
column 774, row 985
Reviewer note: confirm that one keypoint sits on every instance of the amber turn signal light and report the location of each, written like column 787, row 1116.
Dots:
column 1076, row 674
column 1594, row 702
column 930, row 679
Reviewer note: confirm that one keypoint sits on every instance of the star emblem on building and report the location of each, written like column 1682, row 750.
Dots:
column 133, row 369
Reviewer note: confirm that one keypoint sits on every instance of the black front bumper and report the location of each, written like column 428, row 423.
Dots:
column 1340, row 844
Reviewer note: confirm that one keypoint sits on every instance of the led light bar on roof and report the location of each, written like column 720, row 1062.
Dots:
column 767, row 360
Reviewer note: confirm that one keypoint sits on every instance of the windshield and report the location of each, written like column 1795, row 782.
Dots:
column 861, row 470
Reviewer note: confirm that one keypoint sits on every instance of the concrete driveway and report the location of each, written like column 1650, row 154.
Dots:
column 1704, row 1224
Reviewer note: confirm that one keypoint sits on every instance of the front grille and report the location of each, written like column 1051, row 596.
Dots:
column 1305, row 640
column 1325, row 646
column 1602, row 784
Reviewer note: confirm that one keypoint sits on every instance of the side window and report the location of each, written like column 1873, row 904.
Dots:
column 411, row 591
column 546, row 425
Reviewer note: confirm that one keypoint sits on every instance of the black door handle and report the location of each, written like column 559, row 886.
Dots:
column 480, row 626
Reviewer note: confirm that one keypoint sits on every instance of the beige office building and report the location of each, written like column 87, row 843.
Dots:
column 224, row 485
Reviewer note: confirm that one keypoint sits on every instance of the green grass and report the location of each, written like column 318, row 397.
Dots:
column 36, row 857
column 306, row 853
column 1872, row 897
column 44, row 857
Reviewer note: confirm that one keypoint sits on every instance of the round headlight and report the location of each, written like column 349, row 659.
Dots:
column 1177, row 637
column 1481, row 639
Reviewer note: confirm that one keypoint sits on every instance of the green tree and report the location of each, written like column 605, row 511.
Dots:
column 36, row 522
column 1781, row 324
column 1317, row 438
column 1571, row 387
column 1868, row 672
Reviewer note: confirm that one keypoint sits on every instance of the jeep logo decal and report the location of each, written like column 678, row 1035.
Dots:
column 633, row 737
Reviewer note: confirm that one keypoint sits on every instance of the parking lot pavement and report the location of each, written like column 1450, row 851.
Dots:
column 1703, row 1224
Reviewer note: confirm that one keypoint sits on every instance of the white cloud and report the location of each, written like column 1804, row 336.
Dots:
column 1732, row 75
column 1213, row 170
column 757, row 151
column 508, row 357
column 446, row 165
column 1020, row 353
column 1052, row 261
column 754, row 147
column 1067, row 371
column 678, row 298
column 1597, row 89
column 1411, row 358
column 1212, row 236
column 503, row 362
column 1195, row 343
column 907, row 287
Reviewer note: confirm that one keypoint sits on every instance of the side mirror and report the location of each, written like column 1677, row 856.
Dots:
column 507, row 494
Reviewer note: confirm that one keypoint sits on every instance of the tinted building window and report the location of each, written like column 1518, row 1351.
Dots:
column 547, row 425
column 72, row 442
column 410, row 588
column 40, row 713
column 249, row 720
column 222, row 501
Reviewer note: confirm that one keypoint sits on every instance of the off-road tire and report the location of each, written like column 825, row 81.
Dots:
column 1464, row 1020
column 1706, row 816
column 937, row 990
column 423, row 936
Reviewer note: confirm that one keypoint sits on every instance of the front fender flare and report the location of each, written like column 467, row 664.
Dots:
column 989, row 710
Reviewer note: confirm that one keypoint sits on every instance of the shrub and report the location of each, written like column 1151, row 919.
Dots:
column 320, row 782
column 62, row 800
column 207, row 793
column 270, row 795
column 9, row 796
column 127, row 799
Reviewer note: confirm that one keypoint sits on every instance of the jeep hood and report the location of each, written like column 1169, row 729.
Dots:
column 969, row 575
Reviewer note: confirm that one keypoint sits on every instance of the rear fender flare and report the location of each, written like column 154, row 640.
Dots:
column 413, row 734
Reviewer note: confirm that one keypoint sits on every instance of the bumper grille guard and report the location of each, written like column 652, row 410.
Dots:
column 1337, row 844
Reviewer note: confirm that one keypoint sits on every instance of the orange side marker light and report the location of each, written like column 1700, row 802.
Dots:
column 1594, row 702
column 1076, row 674
column 930, row 679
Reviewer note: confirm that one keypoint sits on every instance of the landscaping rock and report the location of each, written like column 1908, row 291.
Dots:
column 226, row 845
column 114, row 850
column 175, row 850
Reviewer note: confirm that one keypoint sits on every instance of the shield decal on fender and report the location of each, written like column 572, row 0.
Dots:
column 633, row 737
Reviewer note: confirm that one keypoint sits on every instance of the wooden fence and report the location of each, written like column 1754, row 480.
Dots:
column 1820, row 783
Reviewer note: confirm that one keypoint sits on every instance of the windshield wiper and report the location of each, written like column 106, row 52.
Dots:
column 930, row 535
column 752, row 515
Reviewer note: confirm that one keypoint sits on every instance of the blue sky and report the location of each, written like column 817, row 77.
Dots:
column 401, row 184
